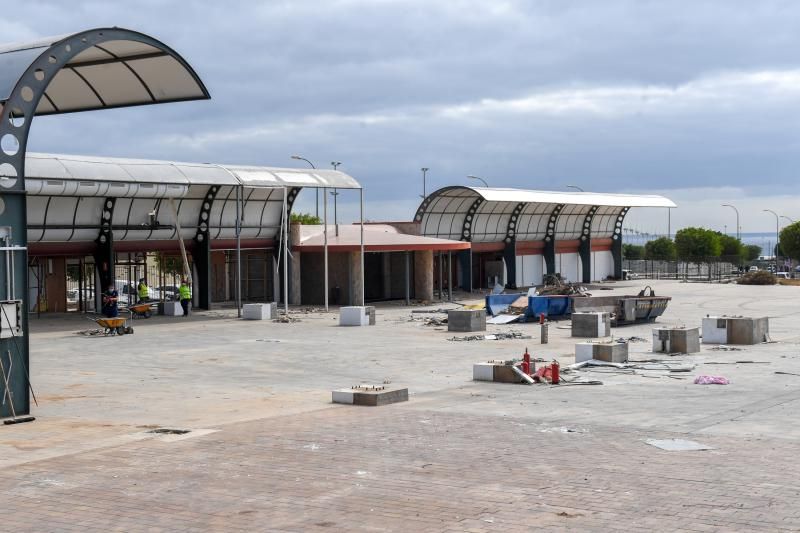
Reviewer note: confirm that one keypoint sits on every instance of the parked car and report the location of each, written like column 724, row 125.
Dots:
column 72, row 295
column 753, row 269
column 784, row 275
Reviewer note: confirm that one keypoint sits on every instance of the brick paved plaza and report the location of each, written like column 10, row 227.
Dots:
column 269, row 452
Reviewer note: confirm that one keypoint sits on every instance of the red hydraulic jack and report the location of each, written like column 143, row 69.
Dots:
column 526, row 364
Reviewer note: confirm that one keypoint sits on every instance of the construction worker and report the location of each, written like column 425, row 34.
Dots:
column 186, row 296
column 110, row 298
column 143, row 290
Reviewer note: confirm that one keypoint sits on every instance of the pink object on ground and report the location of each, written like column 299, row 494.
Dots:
column 711, row 380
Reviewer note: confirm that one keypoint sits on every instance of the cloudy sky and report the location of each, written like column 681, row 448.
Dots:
column 698, row 100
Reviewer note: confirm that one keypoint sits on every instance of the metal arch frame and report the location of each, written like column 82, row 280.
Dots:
column 510, row 249
column 18, row 112
column 550, row 239
column 616, row 242
column 585, row 247
column 469, row 219
column 201, row 251
column 104, row 255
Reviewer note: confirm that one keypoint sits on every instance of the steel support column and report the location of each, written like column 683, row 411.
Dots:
column 104, row 253
column 585, row 247
column 201, row 252
column 616, row 243
column 510, row 250
column 550, row 240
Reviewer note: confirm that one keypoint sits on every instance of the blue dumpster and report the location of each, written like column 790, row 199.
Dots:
column 548, row 305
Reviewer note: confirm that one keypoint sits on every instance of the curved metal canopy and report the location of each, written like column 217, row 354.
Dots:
column 482, row 214
column 126, row 69
column 66, row 195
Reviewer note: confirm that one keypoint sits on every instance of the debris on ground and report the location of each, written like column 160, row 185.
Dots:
column 434, row 321
column 678, row 445
column 738, row 362
column 725, row 348
column 90, row 332
column 285, row 319
column 711, row 380
column 555, row 285
column 307, row 311
column 440, row 310
column 503, row 319
column 492, row 337
column 787, row 373
column 629, row 340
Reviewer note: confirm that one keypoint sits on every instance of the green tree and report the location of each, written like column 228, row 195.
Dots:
column 731, row 246
column 751, row 252
column 692, row 244
column 305, row 219
column 632, row 251
column 662, row 248
column 790, row 241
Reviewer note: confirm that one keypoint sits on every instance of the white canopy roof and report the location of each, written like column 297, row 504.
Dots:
column 121, row 68
column 495, row 194
column 142, row 171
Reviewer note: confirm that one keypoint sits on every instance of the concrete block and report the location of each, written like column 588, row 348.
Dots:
column 370, row 312
column 676, row 340
column 466, row 320
column 735, row 330
column 584, row 351
column 170, row 309
column 614, row 352
column 343, row 396
column 591, row 325
column 370, row 395
column 483, row 372
column 260, row 311
column 610, row 352
column 353, row 316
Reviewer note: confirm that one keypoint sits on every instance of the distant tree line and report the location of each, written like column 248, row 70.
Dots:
column 695, row 244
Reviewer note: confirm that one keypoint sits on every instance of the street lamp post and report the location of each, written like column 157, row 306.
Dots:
column 300, row 158
column 424, row 185
column 575, row 187
column 777, row 235
column 738, row 235
column 479, row 179
column 335, row 193
column 791, row 220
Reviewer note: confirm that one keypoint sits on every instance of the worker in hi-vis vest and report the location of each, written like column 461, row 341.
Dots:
column 143, row 290
column 186, row 296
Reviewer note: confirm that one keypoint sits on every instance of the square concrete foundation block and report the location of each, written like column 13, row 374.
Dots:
column 353, row 316
column 735, row 330
column 483, row 372
column 613, row 352
column 584, row 351
column 591, row 325
column 676, row 340
column 466, row 320
column 497, row 372
column 384, row 395
column 259, row 311
column 170, row 309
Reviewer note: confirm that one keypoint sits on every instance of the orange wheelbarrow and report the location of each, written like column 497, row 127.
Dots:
column 142, row 310
column 114, row 326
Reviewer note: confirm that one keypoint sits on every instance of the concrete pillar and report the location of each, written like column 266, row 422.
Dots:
column 423, row 275
column 355, row 278
column 386, row 263
column 295, row 290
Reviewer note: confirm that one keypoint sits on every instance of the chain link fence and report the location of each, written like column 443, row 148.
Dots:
column 714, row 269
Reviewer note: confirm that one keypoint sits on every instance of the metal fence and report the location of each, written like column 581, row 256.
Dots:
column 714, row 269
